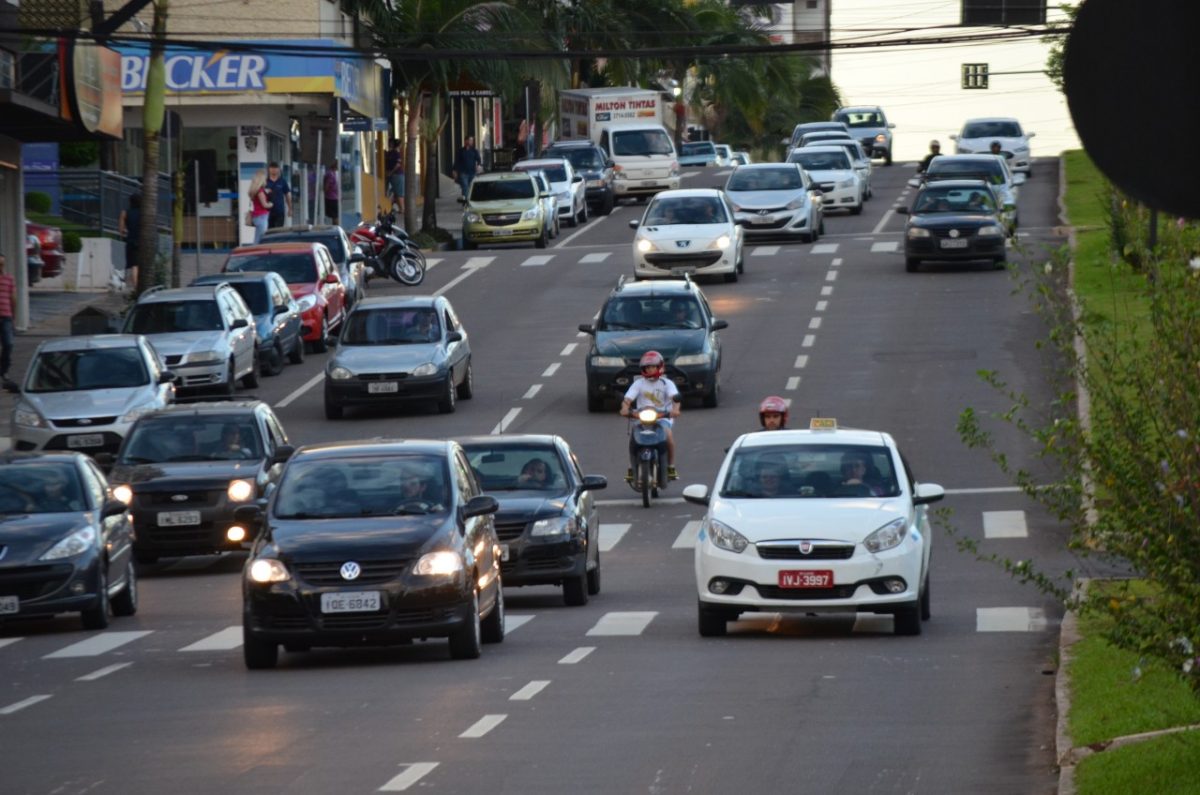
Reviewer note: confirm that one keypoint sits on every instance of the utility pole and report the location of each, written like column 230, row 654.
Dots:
column 152, row 120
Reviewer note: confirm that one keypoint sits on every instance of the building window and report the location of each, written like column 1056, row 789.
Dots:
column 1003, row 12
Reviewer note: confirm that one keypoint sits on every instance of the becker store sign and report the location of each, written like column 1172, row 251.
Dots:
column 222, row 71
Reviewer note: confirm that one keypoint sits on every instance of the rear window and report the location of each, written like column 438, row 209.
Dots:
column 859, row 118
column 254, row 294
column 811, row 472
column 99, row 368
column 294, row 268
column 765, row 179
column 165, row 317
column 579, row 157
column 701, row 148
column 501, row 190
column 984, row 168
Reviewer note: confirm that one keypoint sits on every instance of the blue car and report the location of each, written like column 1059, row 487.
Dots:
column 277, row 323
column 698, row 153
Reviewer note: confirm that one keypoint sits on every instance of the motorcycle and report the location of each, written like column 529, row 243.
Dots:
column 389, row 250
column 648, row 454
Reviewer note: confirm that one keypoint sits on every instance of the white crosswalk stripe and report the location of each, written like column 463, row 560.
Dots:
column 7, row 642
column 512, row 622
column 1010, row 619
column 885, row 247
column 97, row 644
column 824, row 248
column 764, row 251
column 478, row 262
column 623, row 623
column 1004, row 524
column 226, row 640
column 537, row 259
column 412, row 774
column 687, row 536
column 598, row 256
column 610, row 534
column 431, row 261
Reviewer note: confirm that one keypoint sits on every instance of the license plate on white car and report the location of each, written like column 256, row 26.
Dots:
column 955, row 242
column 178, row 518
column 382, row 387
column 80, row 440
column 806, row 579
column 9, row 605
column 351, row 602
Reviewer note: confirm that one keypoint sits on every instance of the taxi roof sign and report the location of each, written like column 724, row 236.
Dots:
column 822, row 424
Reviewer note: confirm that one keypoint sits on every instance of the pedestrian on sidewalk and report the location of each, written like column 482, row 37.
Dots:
column 393, row 166
column 281, row 196
column 260, row 204
column 129, row 227
column 466, row 165
column 8, row 299
column 330, row 186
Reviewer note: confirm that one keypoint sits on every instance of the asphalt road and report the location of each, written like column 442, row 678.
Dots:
column 621, row 695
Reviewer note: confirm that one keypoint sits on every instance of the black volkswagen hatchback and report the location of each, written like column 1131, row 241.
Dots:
column 373, row 543
column 548, row 524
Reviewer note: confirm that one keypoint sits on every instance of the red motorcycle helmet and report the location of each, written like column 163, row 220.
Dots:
column 772, row 404
column 652, row 365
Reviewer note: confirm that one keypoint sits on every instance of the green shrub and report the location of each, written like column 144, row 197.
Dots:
column 424, row 240
column 37, row 202
column 72, row 242
column 78, row 154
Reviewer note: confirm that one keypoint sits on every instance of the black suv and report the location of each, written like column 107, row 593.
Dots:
column 185, row 469
column 669, row 316
column 597, row 170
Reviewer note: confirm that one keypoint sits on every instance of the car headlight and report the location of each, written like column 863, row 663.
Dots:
column 530, row 214
column 29, row 418
column 888, row 536
column 618, row 173
column 916, row 231
column 472, row 217
column 77, row 543
column 607, row 361
column 644, row 245
column 123, row 493
column 205, row 357
column 990, row 231
column 880, row 138
column 796, row 204
column 724, row 536
column 1021, row 148
column 722, row 242
column 133, row 414
column 240, row 490
column 340, row 373
column 846, row 183
column 439, row 564
column 554, row 526
column 429, row 368
column 674, row 172
column 266, row 570
column 306, row 302
column 737, row 208
column 693, row 358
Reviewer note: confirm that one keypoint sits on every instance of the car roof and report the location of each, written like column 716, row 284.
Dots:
column 790, row 438
column 53, row 457
column 767, row 166
column 282, row 247
column 194, row 293
column 820, row 148
column 689, row 193
column 526, row 165
column 859, row 108
column 321, row 229
column 656, row 287
column 363, row 448
column 90, row 342
column 990, row 118
column 961, row 183
column 238, row 405
column 510, row 440
column 502, row 176
column 396, row 302
column 234, row 276
column 986, row 157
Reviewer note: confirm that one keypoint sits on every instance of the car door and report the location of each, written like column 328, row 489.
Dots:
column 458, row 353
column 714, row 336
column 333, row 290
column 242, row 338
column 285, row 312
column 588, row 513
column 479, row 532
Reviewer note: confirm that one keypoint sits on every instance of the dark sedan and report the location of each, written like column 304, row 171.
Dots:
column 373, row 543
column 65, row 546
column 954, row 221
column 548, row 523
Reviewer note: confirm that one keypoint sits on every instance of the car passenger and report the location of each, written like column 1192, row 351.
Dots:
column 56, row 496
column 232, row 445
column 769, row 480
column 854, row 471
column 535, row 475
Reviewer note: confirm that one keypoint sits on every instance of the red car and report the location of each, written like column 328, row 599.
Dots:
column 312, row 277
column 50, row 238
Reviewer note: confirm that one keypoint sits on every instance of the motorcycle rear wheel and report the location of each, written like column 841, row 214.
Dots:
column 407, row 269
column 643, row 480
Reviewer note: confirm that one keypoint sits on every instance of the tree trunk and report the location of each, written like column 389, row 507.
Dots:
column 152, row 120
column 433, row 127
column 411, row 153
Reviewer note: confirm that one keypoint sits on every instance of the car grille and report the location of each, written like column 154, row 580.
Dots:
column 360, row 622
column 792, row 552
column 691, row 259
column 196, row 498
column 945, row 232
column 535, row 558
column 83, row 422
column 381, row 376
column 507, row 531
column 502, row 219
column 187, row 537
column 32, row 582
column 836, row 592
column 373, row 571
column 776, row 224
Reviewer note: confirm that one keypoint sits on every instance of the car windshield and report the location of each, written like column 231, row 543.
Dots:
column 810, row 472
column 332, row 241
column 517, row 468
column 765, row 179
column 165, row 317
column 553, row 173
column 691, row 210
column 680, row 312
column 255, row 296
column 820, row 161
column 501, row 190
column 392, row 326
column 818, row 125
column 941, row 199
column 299, row 268
column 992, row 129
column 859, row 118
column 641, row 142
column 701, row 148
column 100, row 368
column 322, row 488
column 200, row 437
column 42, row 487
column 580, row 157
column 988, row 168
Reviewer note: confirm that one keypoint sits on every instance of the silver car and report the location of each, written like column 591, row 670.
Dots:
column 549, row 203
column 775, row 199
column 860, row 159
column 205, row 334
column 568, row 187
column 396, row 350
column 84, row 393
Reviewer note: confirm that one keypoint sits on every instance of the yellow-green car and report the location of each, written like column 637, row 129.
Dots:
column 503, row 207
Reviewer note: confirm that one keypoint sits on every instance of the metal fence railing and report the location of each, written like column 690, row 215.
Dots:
column 94, row 199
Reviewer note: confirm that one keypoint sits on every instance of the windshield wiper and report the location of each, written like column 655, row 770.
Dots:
column 136, row 460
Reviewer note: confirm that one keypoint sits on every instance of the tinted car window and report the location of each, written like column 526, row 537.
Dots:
column 517, row 468
column 366, row 486
column 553, row 173
column 765, row 179
column 579, row 157
column 702, row 148
column 212, row 437
column 294, row 268
column 936, row 199
column 694, row 210
column 984, row 167
column 992, row 129
column 859, row 118
column 167, row 316
column 501, row 190
column 641, row 142
column 43, row 487
column 811, row 471
column 105, row 368
column 666, row 312
column 391, row 326
column 820, row 161
column 254, row 294
column 332, row 241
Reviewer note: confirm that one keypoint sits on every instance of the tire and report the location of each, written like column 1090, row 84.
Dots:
column 467, row 245
column 466, row 641
column 887, row 158
column 296, row 356
column 491, row 630
column 741, row 263
column 250, row 379
column 911, row 263
column 858, row 208
column 713, row 398
column 332, row 410
column 575, row 591
column 731, row 277
column 593, row 578
column 583, row 213
column 275, row 360
column 573, row 221
column 821, row 228
column 259, row 655
column 319, row 345
column 145, row 558
column 466, row 390
column 449, row 400
column 230, row 380
column 926, row 612
column 711, row 623
column 643, row 480
column 542, row 240
column 409, row 269
column 126, row 602
column 595, row 403
column 606, row 205
column 908, row 619
column 96, row 616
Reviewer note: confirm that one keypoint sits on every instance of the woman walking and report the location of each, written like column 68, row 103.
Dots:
column 260, row 204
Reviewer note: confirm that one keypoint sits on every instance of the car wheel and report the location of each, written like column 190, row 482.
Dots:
column 467, row 245
column 543, row 240
column 821, row 228
column 925, row 601
column 465, row 641
column 998, row 263
column 275, row 360
column 858, row 208
column 575, row 593
column 911, row 263
column 145, row 558
column 96, row 616
column 491, row 630
column 230, row 379
column 908, row 619
column 467, row 388
column 449, row 400
column 712, row 623
column 250, row 379
column 732, row 277
column 583, row 213
column 319, row 345
column 887, row 157
column 593, row 578
column 258, row 654
column 595, row 403
column 126, row 602
column 333, row 411
column 606, row 206
column 714, row 397
column 297, row 353
column 573, row 221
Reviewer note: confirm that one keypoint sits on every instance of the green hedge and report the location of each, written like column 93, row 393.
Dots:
column 37, row 202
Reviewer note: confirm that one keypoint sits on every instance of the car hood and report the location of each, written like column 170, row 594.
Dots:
column 357, row 537
column 847, row 520
column 763, row 199
column 302, row 289
column 832, row 175
column 385, row 358
column 26, row 537
column 183, row 474
column 87, row 403
column 510, row 206
column 517, row 506
column 695, row 232
column 175, row 343
column 671, row 343
column 953, row 220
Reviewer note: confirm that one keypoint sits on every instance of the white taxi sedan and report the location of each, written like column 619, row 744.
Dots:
column 688, row 232
column 811, row 521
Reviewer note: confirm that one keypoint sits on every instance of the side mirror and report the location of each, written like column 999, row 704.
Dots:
column 331, row 340
column 545, row 195
column 901, row 210
column 1030, row 135
column 717, row 325
column 12, row 386
column 891, row 125
column 633, row 224
column 454, row 336
column 577, row 178
column 697, row 493
column 914, row 183
column 357, row 256
column 167, row 377
column 280, row 309
column 480, row 506
column 926, row 493
column 241, row 322
column 587, row 328
column 282, row 453
column 953, row 136
column 112, row 508
column 609, row 164
column 248, row 515
column 331, row 278
column 104, row 460
column 785, row 141
column 591, row 482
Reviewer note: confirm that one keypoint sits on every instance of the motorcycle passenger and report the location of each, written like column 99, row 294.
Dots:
column 773, row 413
column 652, row 390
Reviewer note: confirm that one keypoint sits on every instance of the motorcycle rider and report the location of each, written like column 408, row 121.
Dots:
column 651, row 390
column 773, row 413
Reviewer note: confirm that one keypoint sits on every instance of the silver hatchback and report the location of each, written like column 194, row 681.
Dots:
column 83, row 393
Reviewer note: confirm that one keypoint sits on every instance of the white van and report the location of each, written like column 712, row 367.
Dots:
column 643, row 156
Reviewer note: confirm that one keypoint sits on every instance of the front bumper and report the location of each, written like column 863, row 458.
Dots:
column 834, row 197
column 699, row 262
column 929, row 248
column 358, row 391
column 645, row 187
column 773, row 222
column 101, row 435
column 610, row 382
column 198, row 376
column 522, row 231
column 541, row 560
column 157, row 515
column 52, row 587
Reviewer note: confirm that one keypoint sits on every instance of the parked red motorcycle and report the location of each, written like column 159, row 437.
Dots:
column 389, row 250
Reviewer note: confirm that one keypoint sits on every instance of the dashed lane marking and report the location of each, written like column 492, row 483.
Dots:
column 530, row 690
column 478, row 262
column 831, row 276
column 105, row 671
column 1004, row 524
column 20, row 705
column 512, row 622
column 827, row 290
column 97, row 644
column 536, row 260
column 7, row 642
column 801, row 361
column 808, row 341
column 837, row 261
column 502, row 426
column 885, row 247
column 883, row 222
column 822, row 306
column 414, row 773
column 814, row 323
column 226, row 640
column 793, row 383
column 483, row 726
column 551, row 370
column 764, row 251
column 687, row 536
column 1010, row 619
column 577, row 655
column 532, row 392
column 588, row 259
column 569, row 348
column 610, row 534
column 623, row 623
column 824, row 248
